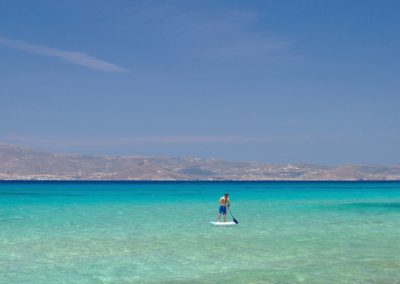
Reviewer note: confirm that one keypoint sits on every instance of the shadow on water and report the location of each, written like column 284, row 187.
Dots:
column 365, row 207
column 373, row 205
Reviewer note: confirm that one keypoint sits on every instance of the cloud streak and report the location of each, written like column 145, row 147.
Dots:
column 223, row 33
column 147, row 140
column 74, row 57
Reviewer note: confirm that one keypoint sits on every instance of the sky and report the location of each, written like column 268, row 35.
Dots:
column 270, row 81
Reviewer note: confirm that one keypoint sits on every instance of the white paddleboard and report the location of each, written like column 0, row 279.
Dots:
column 223, row 223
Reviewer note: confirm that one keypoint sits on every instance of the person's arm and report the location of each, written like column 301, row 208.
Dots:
column 229, row 203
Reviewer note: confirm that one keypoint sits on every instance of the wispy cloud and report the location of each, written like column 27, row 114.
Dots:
column 223, row 32
column 62, row 141
column 230, row 34
column 74, row 57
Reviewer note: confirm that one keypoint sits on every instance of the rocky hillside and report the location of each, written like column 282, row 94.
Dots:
column 19, row 163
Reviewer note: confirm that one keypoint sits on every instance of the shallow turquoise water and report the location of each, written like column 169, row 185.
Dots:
column 289, row 232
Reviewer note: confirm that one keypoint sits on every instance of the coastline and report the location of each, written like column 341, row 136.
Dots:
column 189, row 181
column 18, row 163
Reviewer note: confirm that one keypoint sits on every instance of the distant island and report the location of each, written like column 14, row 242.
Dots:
column 20, row 163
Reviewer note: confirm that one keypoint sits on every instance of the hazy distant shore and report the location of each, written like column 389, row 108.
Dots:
column 186, row 181
column 19, row 163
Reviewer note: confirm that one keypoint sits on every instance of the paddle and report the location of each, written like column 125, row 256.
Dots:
column 234, row 220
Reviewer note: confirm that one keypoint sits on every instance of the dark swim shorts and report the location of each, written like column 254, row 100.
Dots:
column 222, row 210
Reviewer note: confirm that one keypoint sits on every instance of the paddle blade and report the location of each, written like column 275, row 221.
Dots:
column 234, row 219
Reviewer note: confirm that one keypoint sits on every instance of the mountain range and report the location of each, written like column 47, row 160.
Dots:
column 20, row 163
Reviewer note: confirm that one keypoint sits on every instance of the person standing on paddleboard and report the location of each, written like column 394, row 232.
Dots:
column 223, row 203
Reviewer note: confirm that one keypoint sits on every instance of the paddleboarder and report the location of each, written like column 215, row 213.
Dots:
column 223, row 202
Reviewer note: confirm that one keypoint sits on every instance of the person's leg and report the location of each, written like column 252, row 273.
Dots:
column 224, row 214
column 219, row 213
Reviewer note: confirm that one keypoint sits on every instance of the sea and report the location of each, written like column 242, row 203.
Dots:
column 159, row 232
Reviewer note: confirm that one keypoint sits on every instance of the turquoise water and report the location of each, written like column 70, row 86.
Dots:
column 288, row 232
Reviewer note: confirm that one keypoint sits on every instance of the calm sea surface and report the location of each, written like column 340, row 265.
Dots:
column 288, row 232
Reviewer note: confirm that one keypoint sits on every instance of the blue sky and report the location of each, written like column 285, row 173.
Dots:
column 271, row 81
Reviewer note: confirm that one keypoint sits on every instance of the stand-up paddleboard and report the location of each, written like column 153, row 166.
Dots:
column 223, row 223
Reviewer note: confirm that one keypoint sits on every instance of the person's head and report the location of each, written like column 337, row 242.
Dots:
column 226, row 195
